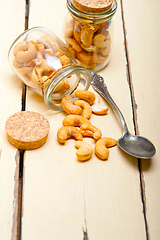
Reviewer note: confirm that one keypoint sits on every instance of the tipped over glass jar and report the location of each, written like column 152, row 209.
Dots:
column 44, row 63
column 88, row 31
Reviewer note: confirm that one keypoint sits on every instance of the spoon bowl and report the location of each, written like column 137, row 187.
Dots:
column 134, row 145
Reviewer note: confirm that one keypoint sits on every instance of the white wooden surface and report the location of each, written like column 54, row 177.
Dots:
column 62, row 198
column 12, row 24
column 144, row 53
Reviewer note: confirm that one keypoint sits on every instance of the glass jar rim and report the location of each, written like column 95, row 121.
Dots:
column 61, row 75
column 92, row 16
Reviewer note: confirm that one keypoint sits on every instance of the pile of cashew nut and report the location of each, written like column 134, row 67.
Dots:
column 77, row 125
column 90, row 43
column 38, row 61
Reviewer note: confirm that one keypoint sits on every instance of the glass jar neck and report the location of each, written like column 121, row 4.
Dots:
column 78, row 78
column 91, row 17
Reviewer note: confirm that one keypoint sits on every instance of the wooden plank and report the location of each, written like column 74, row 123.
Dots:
column 143, row 43
column 65, row 199
column 12, row 24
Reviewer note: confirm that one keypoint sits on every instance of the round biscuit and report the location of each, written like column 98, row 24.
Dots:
column 27, row 130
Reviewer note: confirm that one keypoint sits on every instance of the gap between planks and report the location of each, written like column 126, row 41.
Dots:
column 135, row 121
column 19, row 158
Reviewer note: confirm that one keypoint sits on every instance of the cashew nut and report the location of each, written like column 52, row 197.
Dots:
column 105, row 51
column 87, row 110
column 90, row 49
column 85, row 95
column 64, row 60
column 74, row 44
column 39, row 59
column 101, row 41
column 90, row 66
column 90, row 131
column 84, row 151
column 41, row 49
column 69, row 107
column 35, row 76
column 62, row 85
column 75, row 120
column 25, row 56
column 87, row 57
column 86, row 36
column 97, row 108
column 21, row 46
column 102, row 145
column 65, row 133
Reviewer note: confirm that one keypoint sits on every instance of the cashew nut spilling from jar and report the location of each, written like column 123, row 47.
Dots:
column 75, row 120
column 88, row 130
column 102, row 145
column 65, row 133
column 69, row 107
column 85, row 95
column 84, row 151
column 62, row 85
column 87, row 110
column 97, row 108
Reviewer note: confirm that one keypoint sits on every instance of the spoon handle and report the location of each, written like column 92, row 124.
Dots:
column 98, row 84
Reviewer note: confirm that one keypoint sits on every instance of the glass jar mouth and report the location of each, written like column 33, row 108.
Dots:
column 91, row 16
column 51, row 99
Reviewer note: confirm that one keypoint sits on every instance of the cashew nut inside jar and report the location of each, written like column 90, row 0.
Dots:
column 44, row 63
column 88, row 31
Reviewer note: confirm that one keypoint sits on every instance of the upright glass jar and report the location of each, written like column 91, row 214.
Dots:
column 88, row 31
column 44, row 63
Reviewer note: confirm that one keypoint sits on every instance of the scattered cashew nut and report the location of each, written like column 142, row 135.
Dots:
column 69, row 107
column 65, row 133
column 85, row 95
column 97, row 108
column 90, row 131
column 75, row 120
column 102, row 145
column 84, row 151
column 87, row 110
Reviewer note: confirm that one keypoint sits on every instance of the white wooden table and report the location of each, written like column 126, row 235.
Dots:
column 46, row 193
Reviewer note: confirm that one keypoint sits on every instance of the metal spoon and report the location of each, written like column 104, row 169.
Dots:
column 134, row 145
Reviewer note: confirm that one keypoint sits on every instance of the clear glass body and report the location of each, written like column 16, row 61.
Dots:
column 89, row 36
column 44, row 63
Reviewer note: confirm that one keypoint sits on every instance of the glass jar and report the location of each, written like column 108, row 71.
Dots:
column 88, row 32
column 44, row 63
